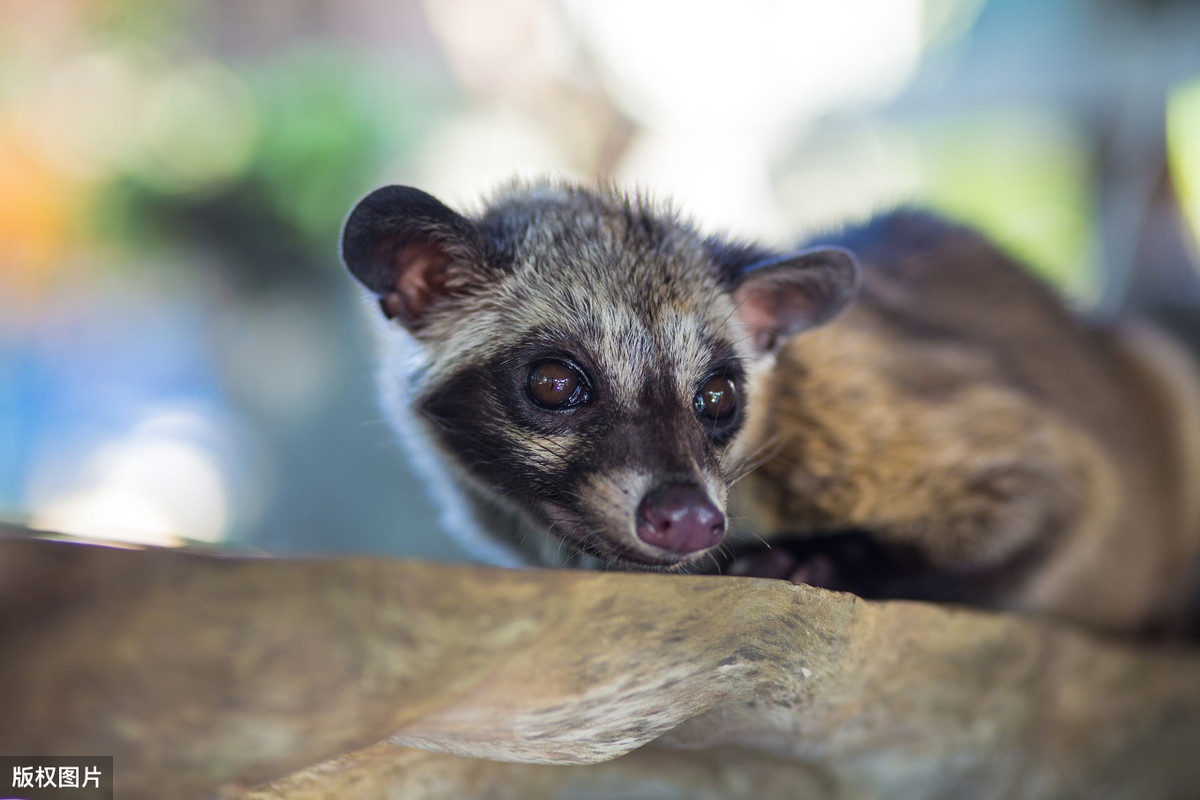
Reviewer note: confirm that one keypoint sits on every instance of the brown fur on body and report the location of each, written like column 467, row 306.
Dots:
column 957, row 408
column 954, row 423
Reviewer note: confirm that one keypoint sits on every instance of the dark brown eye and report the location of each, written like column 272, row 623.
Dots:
column 553, row 384
column 717, row 398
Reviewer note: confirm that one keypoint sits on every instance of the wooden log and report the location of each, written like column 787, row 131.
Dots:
column 391, row 771
column 198, row 672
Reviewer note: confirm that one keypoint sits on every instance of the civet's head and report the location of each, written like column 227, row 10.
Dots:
column 584, row 357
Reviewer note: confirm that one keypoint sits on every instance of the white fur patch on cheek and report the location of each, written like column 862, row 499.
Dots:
column 551, row 454
column 716, row 489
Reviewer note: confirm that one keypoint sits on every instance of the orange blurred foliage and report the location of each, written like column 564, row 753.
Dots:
column 39, row 216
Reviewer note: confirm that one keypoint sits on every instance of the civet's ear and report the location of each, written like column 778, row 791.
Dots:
column 412, row 251
column 783, row 296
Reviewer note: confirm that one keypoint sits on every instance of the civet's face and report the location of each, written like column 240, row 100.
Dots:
column 587, row 357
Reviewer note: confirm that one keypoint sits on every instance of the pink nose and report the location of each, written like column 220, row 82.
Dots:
column 680, row 519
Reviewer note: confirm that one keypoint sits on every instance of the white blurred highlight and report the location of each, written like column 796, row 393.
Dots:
column 162, row 484
column 715, row 92
column 753, row 65
column 738, row 83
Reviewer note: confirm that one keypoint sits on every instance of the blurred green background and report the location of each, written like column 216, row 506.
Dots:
column 182, row 357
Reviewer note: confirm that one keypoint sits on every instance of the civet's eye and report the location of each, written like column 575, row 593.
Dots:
column 717, row 399
column 557, row 385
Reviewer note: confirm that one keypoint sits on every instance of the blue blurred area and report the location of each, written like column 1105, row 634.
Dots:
column 91, row 366
column 108, row 387
column 21, row 392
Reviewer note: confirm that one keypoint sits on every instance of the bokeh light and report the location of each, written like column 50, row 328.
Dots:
column 1183, row 141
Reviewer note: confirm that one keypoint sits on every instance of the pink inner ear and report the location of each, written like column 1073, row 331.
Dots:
column 767, row 312
column 757, row 310
column 420, row 269
column 783, row 297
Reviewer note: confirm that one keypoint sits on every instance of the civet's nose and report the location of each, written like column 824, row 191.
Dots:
column 679, row 518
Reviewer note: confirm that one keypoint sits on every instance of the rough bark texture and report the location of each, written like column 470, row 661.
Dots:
column 206, row 675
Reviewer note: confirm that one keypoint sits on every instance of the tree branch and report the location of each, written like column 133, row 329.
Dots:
column 197, row 672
